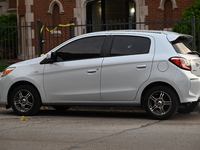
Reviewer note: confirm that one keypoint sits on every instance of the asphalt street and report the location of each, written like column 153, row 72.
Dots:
column 98, row 129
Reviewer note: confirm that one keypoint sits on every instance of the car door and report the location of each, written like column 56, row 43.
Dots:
column 127, row 67
column 75, row 75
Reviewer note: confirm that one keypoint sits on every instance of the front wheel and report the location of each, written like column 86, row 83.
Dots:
column 161, row 102
column 25, row 100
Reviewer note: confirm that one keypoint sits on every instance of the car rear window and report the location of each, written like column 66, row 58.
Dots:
column 182, row 48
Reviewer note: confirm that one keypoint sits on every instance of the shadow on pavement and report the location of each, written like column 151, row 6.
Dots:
column 90, row 112
column 101, row 112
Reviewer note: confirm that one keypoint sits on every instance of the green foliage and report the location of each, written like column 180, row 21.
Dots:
column 7, row 20
column 3, row 65
column 8, row 35
column 185, row 26
column 7, row 30
column 193, row 10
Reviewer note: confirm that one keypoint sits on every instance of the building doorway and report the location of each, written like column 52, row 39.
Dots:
column 108, row 12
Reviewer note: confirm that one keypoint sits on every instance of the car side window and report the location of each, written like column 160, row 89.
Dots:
column 86, row 48
column 130, row 45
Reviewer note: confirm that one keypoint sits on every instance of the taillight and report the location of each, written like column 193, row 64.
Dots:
column 181, row 62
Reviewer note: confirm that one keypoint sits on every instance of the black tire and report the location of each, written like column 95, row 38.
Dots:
column 25, row 100
column 61, row 108
column 187, row 107
column 161, row 102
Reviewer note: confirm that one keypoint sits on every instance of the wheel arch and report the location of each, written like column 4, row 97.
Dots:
column 156, row 84
column 18, row 84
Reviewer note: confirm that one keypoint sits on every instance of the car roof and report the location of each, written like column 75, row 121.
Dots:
column 171, row 36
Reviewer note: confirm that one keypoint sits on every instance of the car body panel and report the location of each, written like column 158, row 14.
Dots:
column 195, row 63
column 108, row 80
column 73, row 80
column 27, row 71
column 122, row 76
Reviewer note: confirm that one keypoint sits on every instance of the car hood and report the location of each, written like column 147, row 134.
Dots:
column 30, row 61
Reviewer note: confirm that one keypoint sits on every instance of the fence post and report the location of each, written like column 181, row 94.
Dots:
column 193, row 32
column 40, row 48
column 198, row 37
column 130, row 22
column 71, row 28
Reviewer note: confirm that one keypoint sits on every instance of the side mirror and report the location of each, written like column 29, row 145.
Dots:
column 51, row 58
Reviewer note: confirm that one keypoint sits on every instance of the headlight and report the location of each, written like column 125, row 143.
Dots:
column 7, row 71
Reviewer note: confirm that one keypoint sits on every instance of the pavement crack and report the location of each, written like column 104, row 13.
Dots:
column 80, row 145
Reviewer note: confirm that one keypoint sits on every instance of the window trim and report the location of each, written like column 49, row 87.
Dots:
column 162, row 4
column 51, row 5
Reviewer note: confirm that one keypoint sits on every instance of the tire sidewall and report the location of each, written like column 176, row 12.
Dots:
column 36, row 104
column 174, row 102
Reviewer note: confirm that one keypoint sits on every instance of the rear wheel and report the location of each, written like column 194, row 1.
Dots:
column 25, row 100
column 187, row 107
column 161, row 102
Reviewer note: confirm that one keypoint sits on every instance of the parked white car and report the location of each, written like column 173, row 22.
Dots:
column 153, row 69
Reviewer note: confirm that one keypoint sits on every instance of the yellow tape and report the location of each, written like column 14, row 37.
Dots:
column 66, row 25
column 60, row 25
column 41, row 30
column 51, row 30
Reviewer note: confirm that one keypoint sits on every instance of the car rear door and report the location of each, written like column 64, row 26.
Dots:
column 127, row 67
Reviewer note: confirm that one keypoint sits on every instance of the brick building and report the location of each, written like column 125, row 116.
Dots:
column 7, row 7
column 54, row 12
column 95, row 11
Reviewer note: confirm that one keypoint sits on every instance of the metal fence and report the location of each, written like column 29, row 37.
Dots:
column 19, row 43
column 185, row 27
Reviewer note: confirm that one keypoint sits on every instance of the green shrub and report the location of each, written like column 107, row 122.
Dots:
column 8, row 33
column 185, row 26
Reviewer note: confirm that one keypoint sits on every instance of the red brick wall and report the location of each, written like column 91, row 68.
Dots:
column 40, row 9
column 12, row 4
column 21, row 8
column 155, row 14
column 158, row 15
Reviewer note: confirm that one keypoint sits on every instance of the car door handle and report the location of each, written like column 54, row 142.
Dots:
column 92, row 70
column 141, row 66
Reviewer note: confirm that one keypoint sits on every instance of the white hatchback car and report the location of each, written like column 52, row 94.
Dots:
column 153, row 69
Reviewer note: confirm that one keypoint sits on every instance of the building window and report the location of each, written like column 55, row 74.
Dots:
column 51, row 6
column 110, row 11
column 162, row 4
column 56, row 15
column 168, row 13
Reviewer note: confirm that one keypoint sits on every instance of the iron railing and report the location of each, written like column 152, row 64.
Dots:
column 25, row 42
